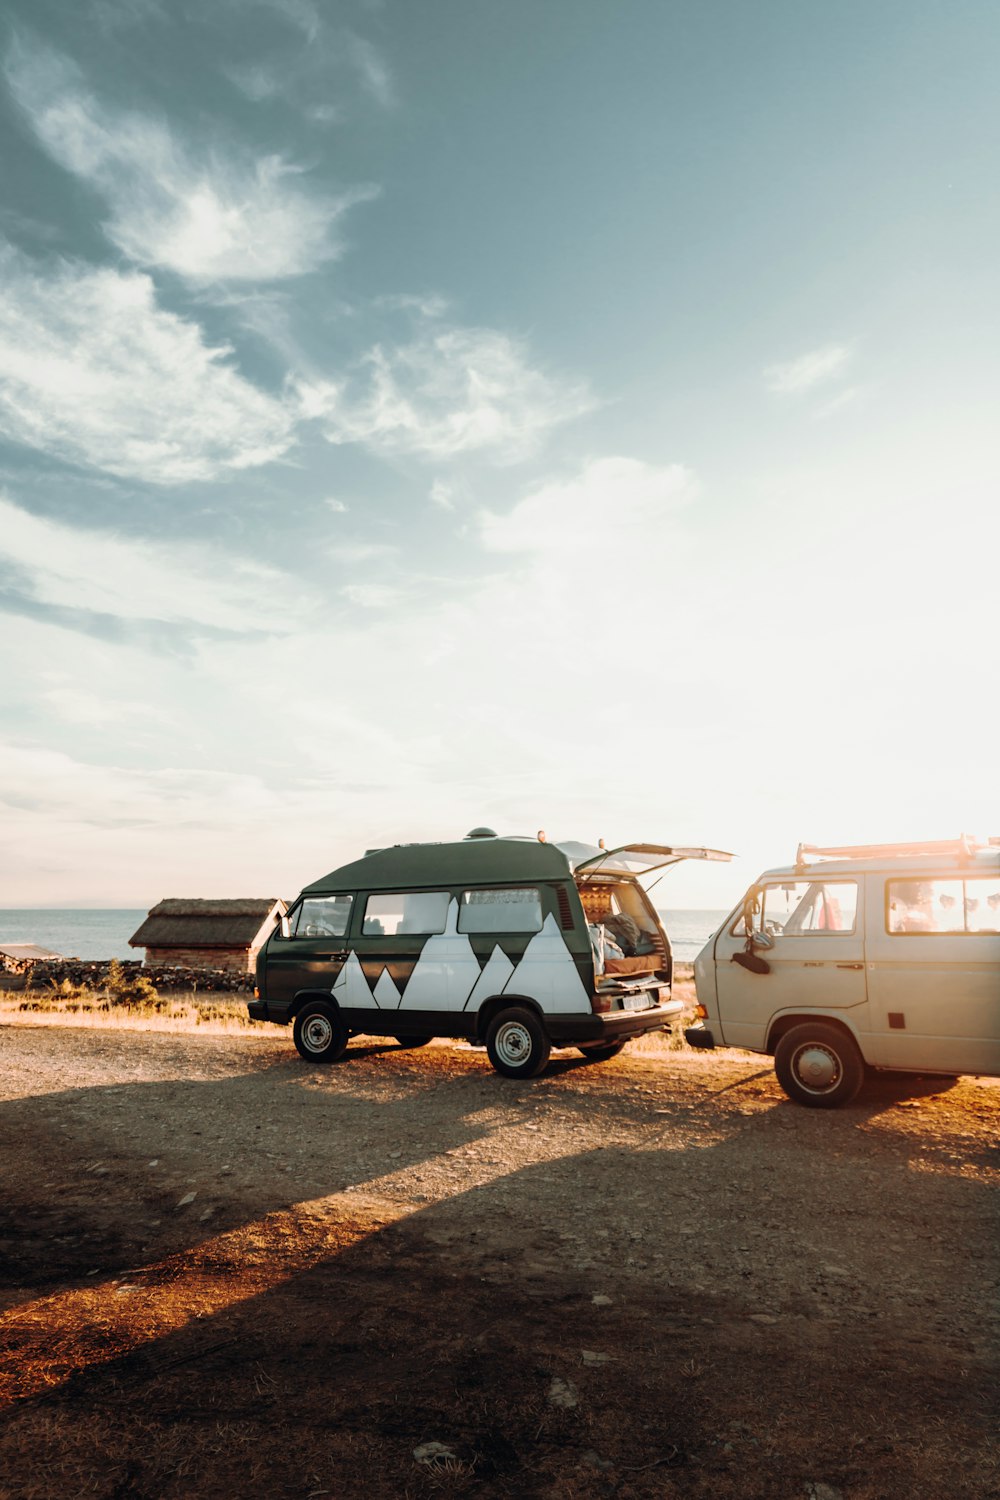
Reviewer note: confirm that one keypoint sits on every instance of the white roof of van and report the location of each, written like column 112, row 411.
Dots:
column 945, row 856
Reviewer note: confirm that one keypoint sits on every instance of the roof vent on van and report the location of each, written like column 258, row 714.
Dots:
column 481, row 833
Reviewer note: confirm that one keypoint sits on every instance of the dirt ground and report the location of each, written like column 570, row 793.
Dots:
column 224, row 1271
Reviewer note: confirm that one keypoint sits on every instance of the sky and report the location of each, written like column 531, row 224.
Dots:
column 545, row 414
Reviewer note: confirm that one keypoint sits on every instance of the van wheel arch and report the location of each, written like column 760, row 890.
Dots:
column 785, row 1023
column 489, row 1008
column 305, row 996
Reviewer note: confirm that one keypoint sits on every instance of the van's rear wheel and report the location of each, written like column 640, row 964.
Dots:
column 319, row 1032
column 819, row 1066
column 516, row 1044
column 601, row 1051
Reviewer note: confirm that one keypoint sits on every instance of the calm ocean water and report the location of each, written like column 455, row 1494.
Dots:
column 105, row 934
column 689, row 931
column 74, row 934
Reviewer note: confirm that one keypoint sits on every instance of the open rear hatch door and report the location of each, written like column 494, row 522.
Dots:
column 631, row 859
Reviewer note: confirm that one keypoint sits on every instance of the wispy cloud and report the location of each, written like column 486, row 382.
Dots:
column 255, row 82
column 116, row 15
column 100, row 573
column 300, row 14
column 369, row 595
column 452, row 391
column 617, row 504
column 92, row 371
column 75, row 705
column 815, row 368
column 372, row 69
column 206, row 215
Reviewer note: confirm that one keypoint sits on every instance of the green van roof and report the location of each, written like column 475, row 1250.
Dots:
column 475, row 861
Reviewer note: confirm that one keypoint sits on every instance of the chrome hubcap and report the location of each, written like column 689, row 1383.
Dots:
column 513, row 1043
column 817, row 1068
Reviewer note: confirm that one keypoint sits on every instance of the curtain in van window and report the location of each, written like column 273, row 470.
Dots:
column 945, row 905
column 399, row 913
column 501, row 910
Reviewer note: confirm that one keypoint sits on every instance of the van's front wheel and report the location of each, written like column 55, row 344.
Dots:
column 516, row 1044
column 319, row 1032
column 818, row 1066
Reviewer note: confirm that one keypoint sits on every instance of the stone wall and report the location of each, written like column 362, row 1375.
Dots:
column 47, row 973
column 227, row 960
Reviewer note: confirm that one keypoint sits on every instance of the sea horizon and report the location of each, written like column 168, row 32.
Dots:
column 102, row 932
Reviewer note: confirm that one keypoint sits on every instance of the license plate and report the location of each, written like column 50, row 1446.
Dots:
column 637, row 1002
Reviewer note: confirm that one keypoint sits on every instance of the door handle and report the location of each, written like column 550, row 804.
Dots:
column 341, row 953
column 850, row 966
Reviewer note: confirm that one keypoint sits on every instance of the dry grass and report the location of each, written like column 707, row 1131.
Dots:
column 191, row 1011
column 218, row 1014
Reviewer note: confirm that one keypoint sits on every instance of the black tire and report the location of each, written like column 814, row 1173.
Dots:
column 409, row 1042
column 319, row 1032
column 818, row 1065
column 516, row 1044
column 601, row 1051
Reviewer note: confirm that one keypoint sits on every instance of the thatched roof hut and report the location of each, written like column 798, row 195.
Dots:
column 197, row 934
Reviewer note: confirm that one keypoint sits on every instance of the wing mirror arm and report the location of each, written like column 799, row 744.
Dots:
column 755, row 937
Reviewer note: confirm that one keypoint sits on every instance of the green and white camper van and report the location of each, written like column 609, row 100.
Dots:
column 514, row 942
column 882, row 956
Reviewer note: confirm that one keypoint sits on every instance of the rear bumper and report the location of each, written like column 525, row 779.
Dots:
column 611, row 1026
column 699, row 1036
column 257, row 1010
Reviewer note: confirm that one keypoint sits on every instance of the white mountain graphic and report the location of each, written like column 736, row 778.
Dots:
column 491, row 981
column 386, row 993
column 446, row 971
column 350, row 988
column 548, row 974
column 447, row 975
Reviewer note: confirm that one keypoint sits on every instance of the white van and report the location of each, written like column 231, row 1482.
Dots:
column 886, row 956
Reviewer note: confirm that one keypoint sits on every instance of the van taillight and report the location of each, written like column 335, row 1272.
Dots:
column 600, row 1004
column 701, row 1012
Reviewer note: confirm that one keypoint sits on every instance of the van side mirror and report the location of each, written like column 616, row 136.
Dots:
column 286, row 927
column 751, row 908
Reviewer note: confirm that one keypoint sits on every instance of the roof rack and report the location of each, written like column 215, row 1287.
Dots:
column 961, row 848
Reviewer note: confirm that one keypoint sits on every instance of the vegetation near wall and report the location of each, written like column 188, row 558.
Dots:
column 121, row 974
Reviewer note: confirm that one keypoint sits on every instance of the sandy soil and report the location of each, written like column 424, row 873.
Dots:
column 227, row 1272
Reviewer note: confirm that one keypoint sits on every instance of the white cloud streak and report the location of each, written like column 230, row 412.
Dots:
column 98, row 572
column 616, row 503
column 372, row 70
column 92, row 371
column 207, row 216
column 815, row 368
column 452, row 391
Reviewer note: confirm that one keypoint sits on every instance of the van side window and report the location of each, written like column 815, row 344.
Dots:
column 512, row 909
column 405, row 912
column 322, row 916
column 816, row 907
column 943, row 906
